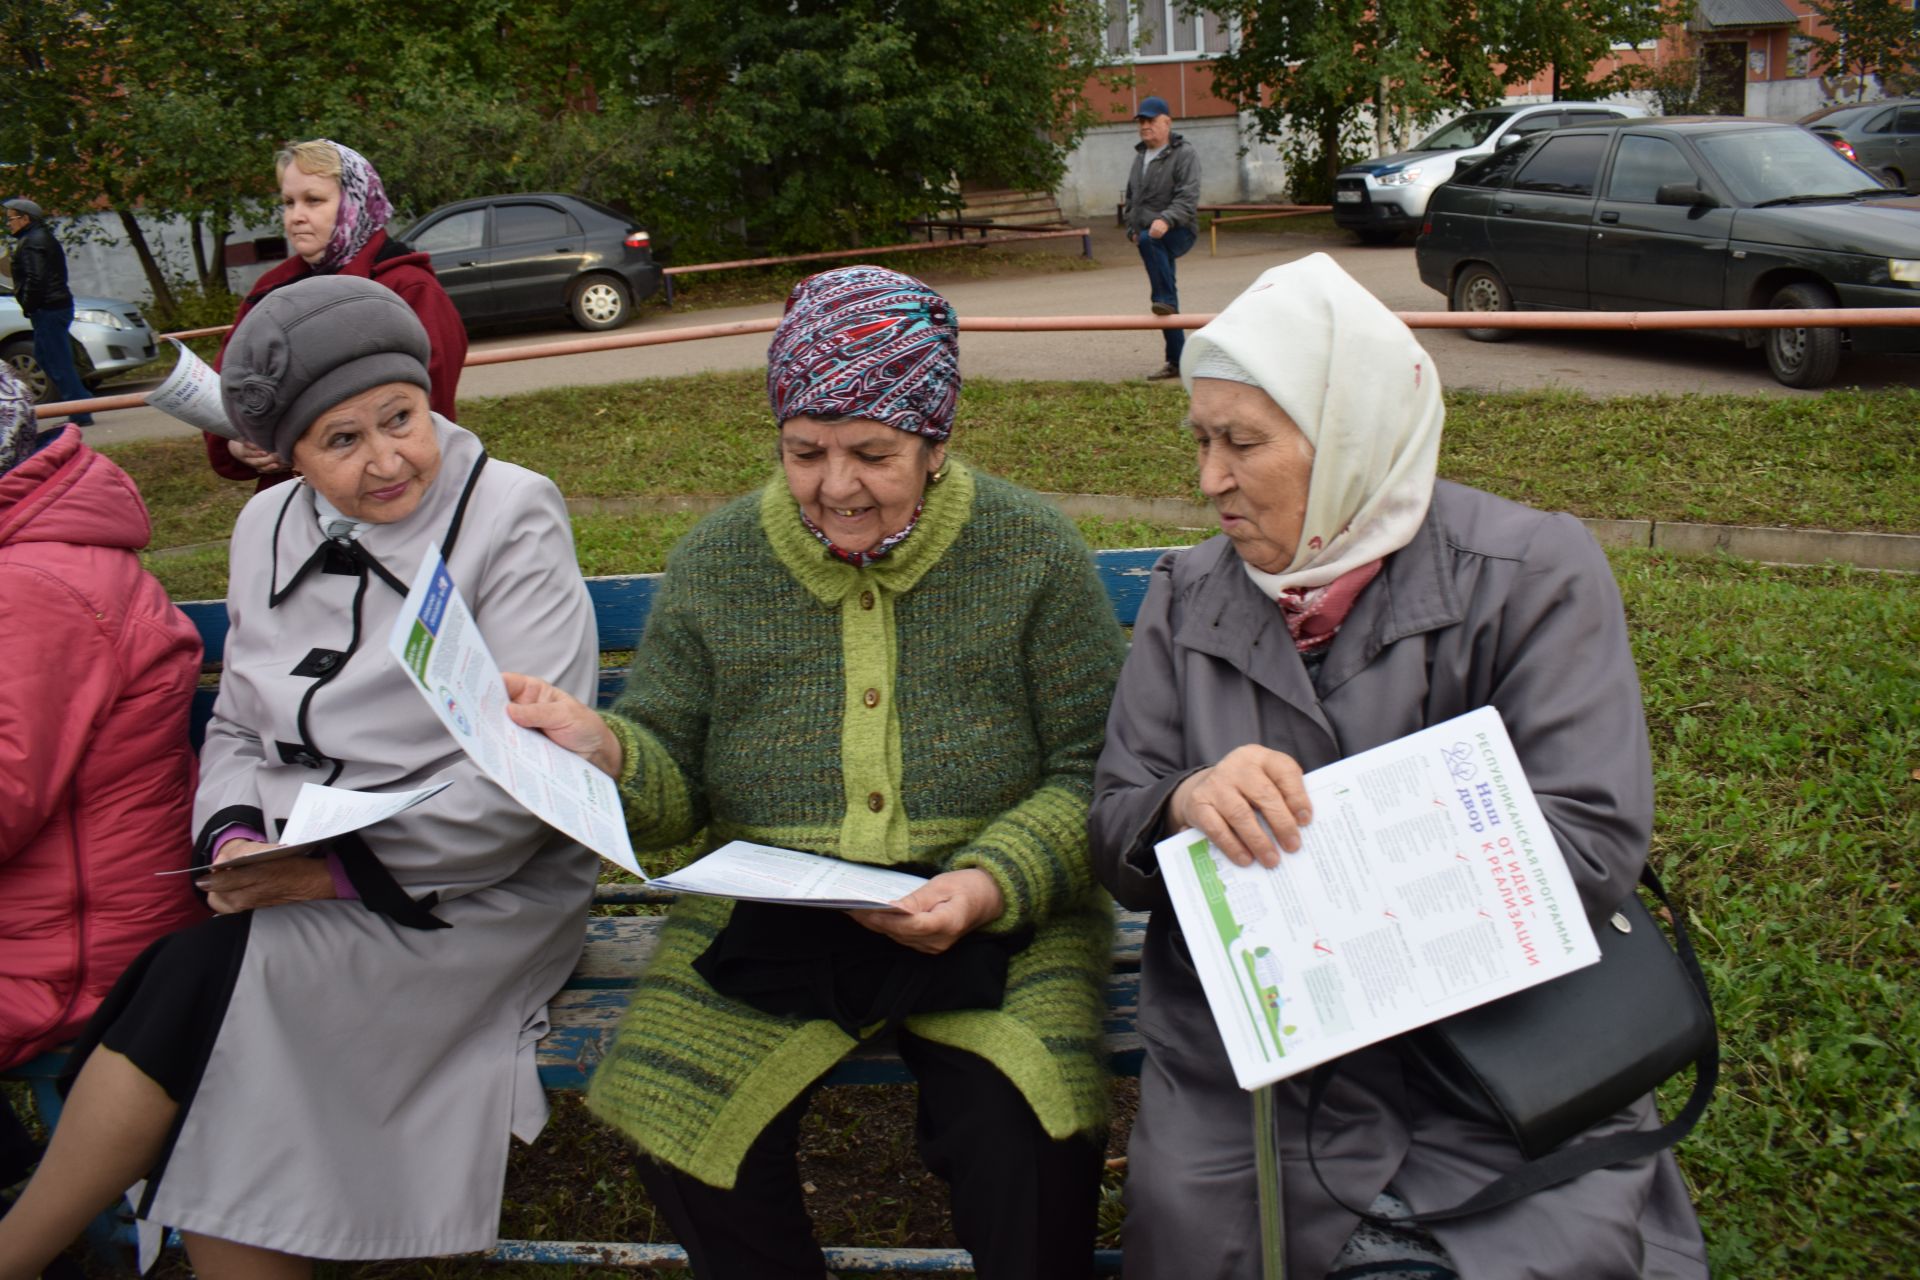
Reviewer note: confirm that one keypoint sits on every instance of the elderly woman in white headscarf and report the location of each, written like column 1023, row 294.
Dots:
column 1350, row 600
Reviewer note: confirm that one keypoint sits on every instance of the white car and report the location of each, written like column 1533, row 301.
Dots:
column 1377, row 200
column 109, row 336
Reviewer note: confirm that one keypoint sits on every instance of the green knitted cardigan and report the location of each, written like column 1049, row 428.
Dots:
column 943, row 706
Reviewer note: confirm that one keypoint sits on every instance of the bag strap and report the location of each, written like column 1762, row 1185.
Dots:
column 1575, row 1159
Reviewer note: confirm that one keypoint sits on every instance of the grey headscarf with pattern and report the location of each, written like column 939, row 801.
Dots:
column 19, row 431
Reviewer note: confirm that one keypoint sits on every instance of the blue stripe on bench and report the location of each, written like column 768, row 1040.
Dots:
column 620, row 606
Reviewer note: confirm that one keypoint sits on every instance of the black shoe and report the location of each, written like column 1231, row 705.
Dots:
column 1162, row 309
column 1165, row 371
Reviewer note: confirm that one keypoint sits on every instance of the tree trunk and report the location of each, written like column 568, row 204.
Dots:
column 1330, row 149
column 199, row 251
column 156, row 278
column 213, row 276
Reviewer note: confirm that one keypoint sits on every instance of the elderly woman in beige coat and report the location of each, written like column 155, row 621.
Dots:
column 331, row 1067
column 1351, row 600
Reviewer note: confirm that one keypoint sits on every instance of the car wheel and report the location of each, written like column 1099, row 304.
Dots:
column 1376, row 235
column 1897, row 180
column 1480, row 288
column 19, row 354
column 600, row 302
column 1804, row 358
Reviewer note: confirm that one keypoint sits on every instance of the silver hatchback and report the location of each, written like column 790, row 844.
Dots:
column 109, row 337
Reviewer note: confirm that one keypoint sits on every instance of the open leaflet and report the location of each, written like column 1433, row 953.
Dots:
column 1427, row 883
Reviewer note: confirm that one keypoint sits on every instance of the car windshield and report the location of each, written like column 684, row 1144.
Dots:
column 1469, row 130
column 1762, row 165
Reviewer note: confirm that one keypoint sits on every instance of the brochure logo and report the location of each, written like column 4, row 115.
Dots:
column 1459, row 758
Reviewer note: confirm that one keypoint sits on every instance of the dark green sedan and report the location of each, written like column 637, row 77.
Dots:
column 1680, row 214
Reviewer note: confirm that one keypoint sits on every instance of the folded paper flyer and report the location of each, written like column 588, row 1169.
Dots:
column 436, row 640
column 1427, row 883
column 762, row 873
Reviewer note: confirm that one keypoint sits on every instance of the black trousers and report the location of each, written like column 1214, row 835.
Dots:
column 1023, row 1204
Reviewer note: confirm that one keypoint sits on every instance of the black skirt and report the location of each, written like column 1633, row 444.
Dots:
column 166, row 1011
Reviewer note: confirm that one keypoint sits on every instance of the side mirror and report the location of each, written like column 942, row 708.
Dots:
column 1685, row 195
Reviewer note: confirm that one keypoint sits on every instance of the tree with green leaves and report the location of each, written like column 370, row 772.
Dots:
column 1877, row 39
column 1318, row 68
column 814, row 124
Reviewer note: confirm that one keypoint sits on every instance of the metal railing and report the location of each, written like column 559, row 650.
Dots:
column 1631, row 321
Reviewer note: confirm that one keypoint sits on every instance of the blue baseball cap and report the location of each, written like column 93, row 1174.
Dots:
column 1150, row 108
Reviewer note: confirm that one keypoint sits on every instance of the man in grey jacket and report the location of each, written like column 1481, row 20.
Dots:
column 1163, row 190
column 40, row 284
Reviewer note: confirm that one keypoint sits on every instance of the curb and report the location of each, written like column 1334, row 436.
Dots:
column 1767, row 544
column 1891, row 552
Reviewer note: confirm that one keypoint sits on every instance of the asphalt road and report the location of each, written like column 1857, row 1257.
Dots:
column 1601, row 364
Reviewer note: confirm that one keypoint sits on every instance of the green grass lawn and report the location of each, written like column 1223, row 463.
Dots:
column 1839, row 461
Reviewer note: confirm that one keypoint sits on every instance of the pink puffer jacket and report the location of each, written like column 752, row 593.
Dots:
column 97, row 671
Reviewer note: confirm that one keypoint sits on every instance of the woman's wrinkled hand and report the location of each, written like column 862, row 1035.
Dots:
column 940, row 912
column 267, row 464
column 263, row 884
column 571, row 723
column 1229, row 801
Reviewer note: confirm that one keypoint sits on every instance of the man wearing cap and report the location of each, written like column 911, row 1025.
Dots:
column 1163, row 192
column 40, row 284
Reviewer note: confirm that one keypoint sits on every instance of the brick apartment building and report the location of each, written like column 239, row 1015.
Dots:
column 1754, row 52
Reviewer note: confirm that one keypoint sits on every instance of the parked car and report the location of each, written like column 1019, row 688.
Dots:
column 109, row 336
column 1377, row 200
column 1882, row 137
column 1680, row 214
column 521, row 257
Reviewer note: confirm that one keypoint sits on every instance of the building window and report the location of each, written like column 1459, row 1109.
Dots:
column 1164, row 31
column 1799, row 57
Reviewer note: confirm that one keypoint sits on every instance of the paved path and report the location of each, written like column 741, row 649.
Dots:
column 1598, row 363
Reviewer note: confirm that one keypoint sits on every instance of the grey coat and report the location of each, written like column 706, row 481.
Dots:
column 1168, row 188
column 360, row 1095
column 1491, row 603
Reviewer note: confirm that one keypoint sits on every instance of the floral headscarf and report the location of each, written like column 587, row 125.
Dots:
column 19, row 431
column 866, row 342
column 364, row 209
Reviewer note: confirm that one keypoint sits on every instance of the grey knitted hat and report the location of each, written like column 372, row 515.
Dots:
column 308, row 346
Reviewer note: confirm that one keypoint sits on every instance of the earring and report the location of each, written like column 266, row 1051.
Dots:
column 937, row 476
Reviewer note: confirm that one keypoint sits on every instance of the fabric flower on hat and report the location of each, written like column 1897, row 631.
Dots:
column 866, row 342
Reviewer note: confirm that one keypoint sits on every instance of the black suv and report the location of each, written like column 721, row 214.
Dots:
column 525, row 256
column 1680, row 214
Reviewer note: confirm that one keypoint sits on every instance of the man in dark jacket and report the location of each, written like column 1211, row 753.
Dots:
column 40, row 284
column 1163, row 192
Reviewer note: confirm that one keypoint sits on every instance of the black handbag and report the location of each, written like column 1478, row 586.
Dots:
column 1550, row 1062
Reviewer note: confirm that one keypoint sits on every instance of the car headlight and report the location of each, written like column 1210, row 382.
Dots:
column 105, row 319
column 1404, row 178
column 1905, row 270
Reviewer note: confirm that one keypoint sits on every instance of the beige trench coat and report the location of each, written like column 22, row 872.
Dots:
column 360, row 1095
column 1491, row 603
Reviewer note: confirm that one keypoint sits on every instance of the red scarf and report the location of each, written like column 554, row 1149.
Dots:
column 1314, row 614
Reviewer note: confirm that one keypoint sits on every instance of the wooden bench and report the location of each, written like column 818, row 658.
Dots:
column 586, row 1011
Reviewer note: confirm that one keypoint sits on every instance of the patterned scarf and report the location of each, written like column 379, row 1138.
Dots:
column 865, row 342
column 19, row 431
column 364, row 209
column 1314, row 614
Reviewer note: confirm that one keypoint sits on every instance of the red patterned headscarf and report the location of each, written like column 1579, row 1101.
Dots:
column 865, row 342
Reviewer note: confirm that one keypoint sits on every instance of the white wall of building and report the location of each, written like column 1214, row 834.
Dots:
column 101, row 261
column 1233, row 165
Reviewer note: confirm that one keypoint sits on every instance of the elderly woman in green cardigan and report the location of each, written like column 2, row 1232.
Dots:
column 885, row 657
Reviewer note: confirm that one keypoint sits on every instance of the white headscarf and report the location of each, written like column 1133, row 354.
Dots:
column 1362, row 390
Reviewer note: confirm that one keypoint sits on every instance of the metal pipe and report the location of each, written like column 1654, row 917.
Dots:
column 1632, row 321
